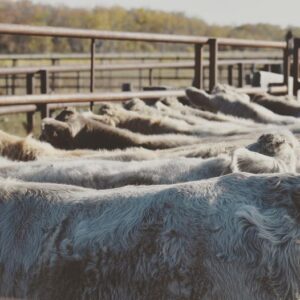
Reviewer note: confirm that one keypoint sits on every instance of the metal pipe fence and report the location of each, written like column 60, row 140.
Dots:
column 200, row 65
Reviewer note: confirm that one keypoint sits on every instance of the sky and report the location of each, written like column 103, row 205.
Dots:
column 223, row 12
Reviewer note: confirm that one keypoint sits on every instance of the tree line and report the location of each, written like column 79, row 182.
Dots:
column 117, row 19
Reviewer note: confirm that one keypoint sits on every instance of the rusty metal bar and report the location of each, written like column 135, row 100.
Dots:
column 140, row 55
column 126, row 87
column 150, row 77
column 296, row 65
column 92, row 71
column 13, row 77
column 129, row 36
column 251, row 43
column 78, row 81
column 44, row 87
column 286, row 66
column 198, row 68
column 17, row 29
column 13, row 109
column 120, row 67
column 230, row 74
column 6, row 84
column 30, row 121
column 213, row 63
column 287, row 59
column 240, row 75
column 92, row 79
column 69, row 98
column 30, row 87
column 58, row 99
column 30, row 83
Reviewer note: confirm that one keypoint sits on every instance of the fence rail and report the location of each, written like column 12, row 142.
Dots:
column 76, row 74
column 212, row 62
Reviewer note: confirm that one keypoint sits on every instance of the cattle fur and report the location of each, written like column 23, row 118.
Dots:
column 71, row 130
column 273, row 154
column 278, row 105
column 28, row 148
column 232, row 104
column 162, row 124
column 233, row 237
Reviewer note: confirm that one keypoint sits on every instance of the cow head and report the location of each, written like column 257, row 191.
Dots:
column 57, row 133
column 200, row 99
column 271, row 153
column 66, row 114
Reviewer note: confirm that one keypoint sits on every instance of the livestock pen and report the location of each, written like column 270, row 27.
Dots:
column 199, row 62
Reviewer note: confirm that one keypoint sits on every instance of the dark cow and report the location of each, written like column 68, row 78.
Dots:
column 71, row 130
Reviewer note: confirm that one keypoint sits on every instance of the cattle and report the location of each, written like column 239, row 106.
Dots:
column 232, row 104
column 140, row 106
column 190, row 115
column 71, row 130
column 232, row 237
column 105, row 174
column 272, row 153
column 28, row 148
column 187, row 110
column 139, row 122
column 278, row 105
column 136, row 122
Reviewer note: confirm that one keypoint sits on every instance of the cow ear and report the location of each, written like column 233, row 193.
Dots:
column 200, row 99
column 244, row 160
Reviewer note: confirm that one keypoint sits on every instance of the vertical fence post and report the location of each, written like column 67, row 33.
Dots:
column 296, row 65
column 30, row 86
column 150, row 77
column 213, row 63
column 127, row 87
column 240, row 75
column 198, row 68
column 30, row 83
column 6, row 84
column 287, row 59
column 140, row 78
column 44, row 88
column 78, row 82
column 13, row 78
column 230, row 74
column 53, row 63
column 92, row 72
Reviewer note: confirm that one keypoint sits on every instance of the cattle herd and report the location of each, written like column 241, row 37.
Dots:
column 190, row 198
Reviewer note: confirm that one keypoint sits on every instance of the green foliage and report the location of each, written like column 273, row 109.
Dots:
column 118, row 19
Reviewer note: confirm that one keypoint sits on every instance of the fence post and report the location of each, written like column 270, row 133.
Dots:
column 127, row 87
column 13, row 78
column 44, row 88
column 296, row 65
column 230, row 74
column 53, row 63
column 287, row 59
column 198, row 68
column 30, row 86
column 213, row 63
column 150, row 77
column 6, row 84
column 92, row 72
column 240, row 75
column 78, row 82
column 30, row 83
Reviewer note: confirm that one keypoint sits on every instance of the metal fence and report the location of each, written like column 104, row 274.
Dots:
column 198, row 65
column 110, row 77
